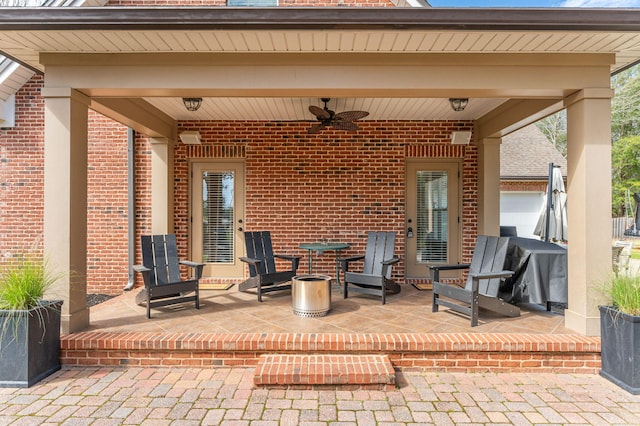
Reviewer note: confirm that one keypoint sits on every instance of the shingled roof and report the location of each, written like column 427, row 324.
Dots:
column 526, row 154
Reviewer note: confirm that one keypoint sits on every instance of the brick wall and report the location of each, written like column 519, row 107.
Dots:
column 523, row 185
column 107, row 248
column 22, row 196
column 22, row 174
column 301, row 187
column 334, row 185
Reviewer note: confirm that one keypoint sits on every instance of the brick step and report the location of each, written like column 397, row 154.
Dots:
column 335, row 371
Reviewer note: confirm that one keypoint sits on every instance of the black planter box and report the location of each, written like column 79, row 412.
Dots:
column 620, row 341
column 29, row 344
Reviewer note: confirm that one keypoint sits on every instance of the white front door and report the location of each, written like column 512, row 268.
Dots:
column 432, row 222
column 217, row 217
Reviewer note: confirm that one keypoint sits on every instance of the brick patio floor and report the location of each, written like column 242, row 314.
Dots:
column 226, row 396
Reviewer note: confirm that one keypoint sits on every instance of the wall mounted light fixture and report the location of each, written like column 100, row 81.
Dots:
column 458, row 104
column 192, row 104
column 460, row 138
column 190, row 137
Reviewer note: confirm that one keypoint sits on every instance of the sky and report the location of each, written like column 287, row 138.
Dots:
column 534, row 3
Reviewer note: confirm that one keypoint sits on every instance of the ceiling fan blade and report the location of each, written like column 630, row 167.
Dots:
column 319, row 112
column 350, row 115
column 344, row 125
column 316, row 128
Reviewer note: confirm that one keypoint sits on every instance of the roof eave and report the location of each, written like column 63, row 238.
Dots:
column 224, row 18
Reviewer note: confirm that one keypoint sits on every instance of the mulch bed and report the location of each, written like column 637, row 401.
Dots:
column 96, row 298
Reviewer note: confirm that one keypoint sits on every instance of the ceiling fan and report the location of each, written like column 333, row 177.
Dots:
column 341, row 121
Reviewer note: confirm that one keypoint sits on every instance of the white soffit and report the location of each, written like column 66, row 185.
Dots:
column 27, row 46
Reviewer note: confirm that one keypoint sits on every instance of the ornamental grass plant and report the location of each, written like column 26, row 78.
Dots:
column 624, row 292
column 24, row 281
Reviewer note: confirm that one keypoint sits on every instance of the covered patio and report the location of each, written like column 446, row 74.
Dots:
column 232, row 329
column 515, row 66
column 231, row 311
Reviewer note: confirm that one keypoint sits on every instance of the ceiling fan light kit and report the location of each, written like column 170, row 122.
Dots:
column 340, row 121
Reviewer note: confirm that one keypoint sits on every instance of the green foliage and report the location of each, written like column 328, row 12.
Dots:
column 625, row 159
column 554, row 128
column 625, row 105
column 624, row 291
column 23, row 282
column 625, row 134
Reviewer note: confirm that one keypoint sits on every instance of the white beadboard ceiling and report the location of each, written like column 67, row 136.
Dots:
column 297, row 109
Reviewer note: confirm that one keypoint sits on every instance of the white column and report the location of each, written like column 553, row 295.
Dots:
column 65, row 201
column 489, row 186
column 162, row 187
column 588, row 205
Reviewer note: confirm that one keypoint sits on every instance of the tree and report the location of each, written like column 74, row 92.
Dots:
column 625, row 136
column 625, row 105
column 625, row 159
column 554, row 128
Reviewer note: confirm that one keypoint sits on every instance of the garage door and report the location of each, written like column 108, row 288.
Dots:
column 521, row 209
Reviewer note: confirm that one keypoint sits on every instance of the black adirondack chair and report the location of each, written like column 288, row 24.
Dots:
column 160, row 271
column 483, row 283
column 375, row 277
column 262, row 265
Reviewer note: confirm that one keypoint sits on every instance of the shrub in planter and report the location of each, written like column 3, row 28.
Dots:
column 620, row 333
column 29, row 325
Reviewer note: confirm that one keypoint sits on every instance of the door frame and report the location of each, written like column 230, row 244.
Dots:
column 455, row 225
column 236, row 268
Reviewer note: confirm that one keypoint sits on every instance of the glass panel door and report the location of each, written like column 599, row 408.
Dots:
column 432, row 219
column 432, row 216
column 217, row 217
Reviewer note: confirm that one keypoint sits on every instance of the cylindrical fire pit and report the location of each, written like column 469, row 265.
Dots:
column 311, row 295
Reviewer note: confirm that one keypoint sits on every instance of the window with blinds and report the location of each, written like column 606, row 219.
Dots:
column 217, row 217
column 432, row 227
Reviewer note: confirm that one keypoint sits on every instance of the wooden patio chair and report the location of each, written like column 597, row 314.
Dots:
column 375, row 277
column 483, row 283
column 160, row 271
column 261, row 260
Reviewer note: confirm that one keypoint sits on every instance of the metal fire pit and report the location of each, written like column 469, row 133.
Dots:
column 311, row 295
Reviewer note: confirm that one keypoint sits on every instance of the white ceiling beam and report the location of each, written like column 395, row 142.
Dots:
column 513, row 115
column 138, row 115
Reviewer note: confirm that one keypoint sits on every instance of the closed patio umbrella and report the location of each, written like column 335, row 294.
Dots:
column 554, row 209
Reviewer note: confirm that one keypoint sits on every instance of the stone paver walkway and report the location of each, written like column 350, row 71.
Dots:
column 226, row 396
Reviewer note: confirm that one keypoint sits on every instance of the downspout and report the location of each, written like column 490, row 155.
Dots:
column 131, row 205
